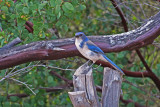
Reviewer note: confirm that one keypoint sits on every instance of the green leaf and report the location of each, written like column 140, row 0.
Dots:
column 26, row 105
column 134, row 98
column 59, row 15
column 18, row 6
column 82, row 7
column 66, row 28
column 58, row 2
column 4, row 8
column 13, row 16
column 69, row 6
column 40, row 6
column 15, row 105
column 57, row 9
column 58, row 23
column 125, row 96
column 50, row 79
column 158, row 67
column 52, row 2
column 130, row 105
column 41, row 102
column 25, row 10
column 6, row 104
column 26, row 1
column 2, row 42
column 74, row 2
column 14, row 98
column 134, row 18
column 65, row 9
column 1, row 98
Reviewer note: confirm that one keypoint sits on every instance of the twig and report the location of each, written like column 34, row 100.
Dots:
column 61, row 77
column 23, row 84
column 140, row 5
column 31, row 67
column 142, row 89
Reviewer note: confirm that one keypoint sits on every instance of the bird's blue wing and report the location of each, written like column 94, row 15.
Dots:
column 93, row 47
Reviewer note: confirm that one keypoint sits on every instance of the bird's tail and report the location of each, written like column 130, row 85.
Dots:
column 112, row 63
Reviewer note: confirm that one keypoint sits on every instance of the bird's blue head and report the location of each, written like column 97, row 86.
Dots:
column 81, row 35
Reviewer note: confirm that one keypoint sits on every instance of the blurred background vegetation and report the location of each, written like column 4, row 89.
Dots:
column 56, row 19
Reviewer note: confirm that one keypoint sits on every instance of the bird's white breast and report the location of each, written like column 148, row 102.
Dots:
column 85, row 51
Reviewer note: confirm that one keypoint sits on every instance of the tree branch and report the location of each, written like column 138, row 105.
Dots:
column 119, row 11
column 61, row 77
column 151, row 74
column 130, row 101
column 62, row 48
column 11, row 44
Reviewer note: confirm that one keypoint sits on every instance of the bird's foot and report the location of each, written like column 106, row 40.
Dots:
column 97, row 67
column 88, row 62
column 91, row 65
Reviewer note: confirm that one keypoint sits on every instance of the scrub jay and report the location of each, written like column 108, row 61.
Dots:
column 92, row 52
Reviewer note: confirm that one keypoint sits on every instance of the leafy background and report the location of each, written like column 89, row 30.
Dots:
column 56, row 19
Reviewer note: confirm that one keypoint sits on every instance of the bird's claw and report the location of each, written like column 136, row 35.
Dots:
column 97, row 67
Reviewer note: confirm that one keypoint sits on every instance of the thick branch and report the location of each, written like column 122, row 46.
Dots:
column 57, row 49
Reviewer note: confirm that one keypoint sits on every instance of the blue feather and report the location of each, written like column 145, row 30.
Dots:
column 81, row 44
column 94, row 48
column 112, row 63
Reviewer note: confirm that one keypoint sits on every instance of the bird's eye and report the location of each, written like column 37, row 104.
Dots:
column 80, row 34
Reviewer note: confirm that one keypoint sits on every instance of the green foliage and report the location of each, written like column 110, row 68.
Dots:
column 67, row 17
column 43, row 15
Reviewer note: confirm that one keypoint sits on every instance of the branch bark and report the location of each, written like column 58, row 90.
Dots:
column 62, row 48
column 11, row 44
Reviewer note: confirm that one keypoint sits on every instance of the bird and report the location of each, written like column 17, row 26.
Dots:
column 91, row 51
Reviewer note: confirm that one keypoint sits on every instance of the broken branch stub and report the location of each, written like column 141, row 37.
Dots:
column 83, row 82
